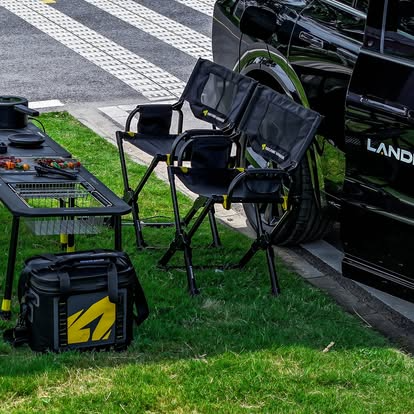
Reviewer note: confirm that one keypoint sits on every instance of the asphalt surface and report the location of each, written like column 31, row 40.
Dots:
column 40, row 67
column 101, row 57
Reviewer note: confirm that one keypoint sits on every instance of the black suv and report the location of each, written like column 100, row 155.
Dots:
column 352, row 61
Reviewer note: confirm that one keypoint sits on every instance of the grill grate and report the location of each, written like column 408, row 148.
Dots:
column 59, row 195
column 67, row 195
column 75, row 225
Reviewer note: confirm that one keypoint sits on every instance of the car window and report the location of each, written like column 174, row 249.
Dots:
column 342, row 22
column 406, row 21
column 362, row 5
column 322, row 12
column 399, row 31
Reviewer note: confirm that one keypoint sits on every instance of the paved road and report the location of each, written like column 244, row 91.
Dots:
column 114, row 51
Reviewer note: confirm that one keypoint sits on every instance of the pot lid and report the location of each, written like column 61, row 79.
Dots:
column 12, row 100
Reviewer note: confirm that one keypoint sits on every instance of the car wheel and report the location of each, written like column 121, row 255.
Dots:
column 306, row 224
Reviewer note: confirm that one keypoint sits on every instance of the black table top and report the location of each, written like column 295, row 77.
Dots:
column 48, row 148
column 26, row 193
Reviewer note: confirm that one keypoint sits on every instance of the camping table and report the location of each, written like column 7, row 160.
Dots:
column 53, row 204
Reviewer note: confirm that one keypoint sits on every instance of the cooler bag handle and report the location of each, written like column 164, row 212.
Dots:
column 113, row 283
column 75, row 257
column 140, row 300
column 65, row 288
column 94, row 256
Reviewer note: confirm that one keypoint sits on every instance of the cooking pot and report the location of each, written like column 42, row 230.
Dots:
column 14, row 111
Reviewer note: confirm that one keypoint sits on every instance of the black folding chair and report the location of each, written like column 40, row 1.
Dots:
column 277, row 129
column 216, row 95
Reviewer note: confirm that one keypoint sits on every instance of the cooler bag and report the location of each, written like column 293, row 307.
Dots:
column 82, row 300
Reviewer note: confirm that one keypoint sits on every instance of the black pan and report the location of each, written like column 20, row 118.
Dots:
column 26, row 140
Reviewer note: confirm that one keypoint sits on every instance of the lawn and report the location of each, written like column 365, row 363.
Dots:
column 234, row 348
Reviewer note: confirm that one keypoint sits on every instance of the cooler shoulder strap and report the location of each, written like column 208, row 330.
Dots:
column 141, row 304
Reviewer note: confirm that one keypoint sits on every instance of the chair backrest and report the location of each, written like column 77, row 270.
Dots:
column 217, row 94
column 278, row 128
column 205, row 151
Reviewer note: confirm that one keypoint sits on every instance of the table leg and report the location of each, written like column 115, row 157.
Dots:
column 118, row 232
column 70, row 248
column 6, row 303
column 63, row 236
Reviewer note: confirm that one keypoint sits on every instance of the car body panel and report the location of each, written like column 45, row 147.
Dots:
column 324, row 47
column 330, row 55
column 378, row 200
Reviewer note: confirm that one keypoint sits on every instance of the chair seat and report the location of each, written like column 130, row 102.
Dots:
column 206, row 182
column 215, row 183
column 152, row 145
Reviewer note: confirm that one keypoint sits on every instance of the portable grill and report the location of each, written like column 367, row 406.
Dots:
column 57, row 195
column 72, row 196
column 52, row 205
column 53, row 193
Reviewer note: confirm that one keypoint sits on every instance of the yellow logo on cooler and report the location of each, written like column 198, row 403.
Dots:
column 78, row 330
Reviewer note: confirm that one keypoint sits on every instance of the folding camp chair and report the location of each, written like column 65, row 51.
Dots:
column 277, row 129
column 215, row 94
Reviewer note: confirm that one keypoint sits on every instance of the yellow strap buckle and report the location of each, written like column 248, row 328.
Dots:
column 285, row 202
column 226, row 203
column 6, row 305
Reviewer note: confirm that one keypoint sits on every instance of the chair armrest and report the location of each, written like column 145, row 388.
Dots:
column 244, row 176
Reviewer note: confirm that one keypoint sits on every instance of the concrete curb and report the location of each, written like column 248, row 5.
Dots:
column 352, row 297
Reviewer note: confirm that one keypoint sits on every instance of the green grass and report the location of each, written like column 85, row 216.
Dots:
column 232, row 349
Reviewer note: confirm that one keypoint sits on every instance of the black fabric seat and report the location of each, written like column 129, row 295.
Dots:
column 204, row 181
column 215, row 94
column 277, row 129
column 158, row 145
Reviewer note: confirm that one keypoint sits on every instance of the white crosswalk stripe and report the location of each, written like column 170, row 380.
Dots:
column 153, row 81
column 169, row 31
column 203, row 6
column 148, row 79
column 141, row 75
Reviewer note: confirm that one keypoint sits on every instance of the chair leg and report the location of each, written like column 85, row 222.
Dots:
column 199, row 220
column 188, row 260
column 270, row 255
column 262, row 242
column 179, row 233
column 213, row 227
column 147, row 174
column 188, row 256
column 248, row 255
column 131, row 197
column 274, row 282
column 200, row 202
column 139, row 237
column 180, row 242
